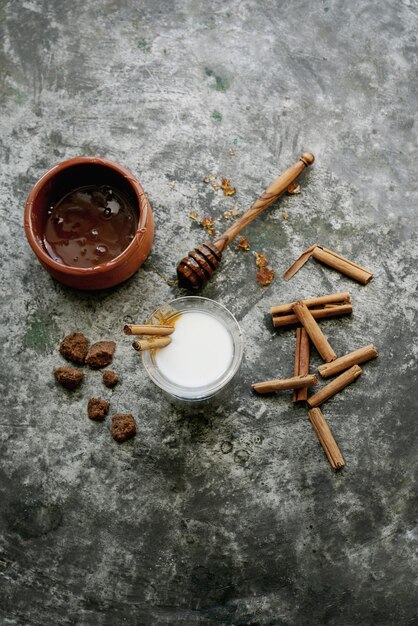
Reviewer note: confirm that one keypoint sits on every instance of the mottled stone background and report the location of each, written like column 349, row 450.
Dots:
column 231, row 514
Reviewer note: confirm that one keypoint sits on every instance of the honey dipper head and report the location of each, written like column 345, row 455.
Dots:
column 308, row 158
column 195, row 270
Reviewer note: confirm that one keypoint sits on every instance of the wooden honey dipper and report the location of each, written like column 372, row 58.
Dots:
column 195, row 270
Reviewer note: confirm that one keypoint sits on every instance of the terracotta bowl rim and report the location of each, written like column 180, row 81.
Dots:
column 144, row 210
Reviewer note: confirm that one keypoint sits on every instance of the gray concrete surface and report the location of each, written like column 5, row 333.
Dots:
column 231, row 515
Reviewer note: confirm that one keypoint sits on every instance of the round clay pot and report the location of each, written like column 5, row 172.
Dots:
column 62, row 179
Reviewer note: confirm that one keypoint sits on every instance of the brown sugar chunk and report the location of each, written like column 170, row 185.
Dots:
column 100, row 354
column 68, row 377
column 74, row 347
column 123, row 426
column 97, row 409
column 110, row 379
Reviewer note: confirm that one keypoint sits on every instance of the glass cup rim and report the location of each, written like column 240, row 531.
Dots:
column 205, row 391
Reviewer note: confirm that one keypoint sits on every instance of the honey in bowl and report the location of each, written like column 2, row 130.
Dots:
column 58, row 183
column 89, row 226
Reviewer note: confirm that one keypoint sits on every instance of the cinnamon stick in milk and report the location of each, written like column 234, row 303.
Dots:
column 335, row 386
column 344, row 362
column 281, row 384
column 147, row 329
column 315, row 333
column 302, row 352
column 151, row 343
column 326, row 439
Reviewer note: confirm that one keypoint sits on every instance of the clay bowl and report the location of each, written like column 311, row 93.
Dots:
column 70, row 175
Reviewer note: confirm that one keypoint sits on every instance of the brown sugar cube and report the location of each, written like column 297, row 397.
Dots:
column 74, row 347
column 97, row 409
column 110, row 379
column 123, row 427
column 100, row 354
column 68, row 377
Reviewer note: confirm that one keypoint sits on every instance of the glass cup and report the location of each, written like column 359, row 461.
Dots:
column 163, row 315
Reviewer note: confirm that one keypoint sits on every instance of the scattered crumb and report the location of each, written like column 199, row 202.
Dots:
column 100, row 354
column 293, row 189
column 215, row 185
column 212, row 177
column 68, row 377
column 193, row 215
column 285, row 215
column 235, row 211
column 207, row 223
column 74, row 347
column 206, row 180
column 243, row 243
column 227, row 215
column 97, row 409
column 231, row 152
column 264, row 275
column 110, row 379
column 261, row 260
column 227, row 187
column 123, row 427
column 171, row 184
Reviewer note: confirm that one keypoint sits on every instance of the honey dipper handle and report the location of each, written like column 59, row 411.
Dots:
column 267, row 197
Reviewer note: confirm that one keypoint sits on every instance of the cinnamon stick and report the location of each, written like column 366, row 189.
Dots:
column 281, row 384
column 344, row 362
column 152, row 343
column 148, row 329
column 311, row 303
column 300, row 262
column 335, row 386
column 315, row 333
column 334, row 260
column 301, row 362
column 297, row 360
column 326, row 439
column 327, row 311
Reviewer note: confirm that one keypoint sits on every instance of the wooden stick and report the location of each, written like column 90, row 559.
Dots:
column 318, row 314
column 335, row 386
column 344, row 362
column 269, row 196
column 281, row 384
column 315, row 333
column 326, row 439
column 328, row 257
column 153, row 343
column 332, row 298
column 301, row 362
column 147, row 329
column 194, row 270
